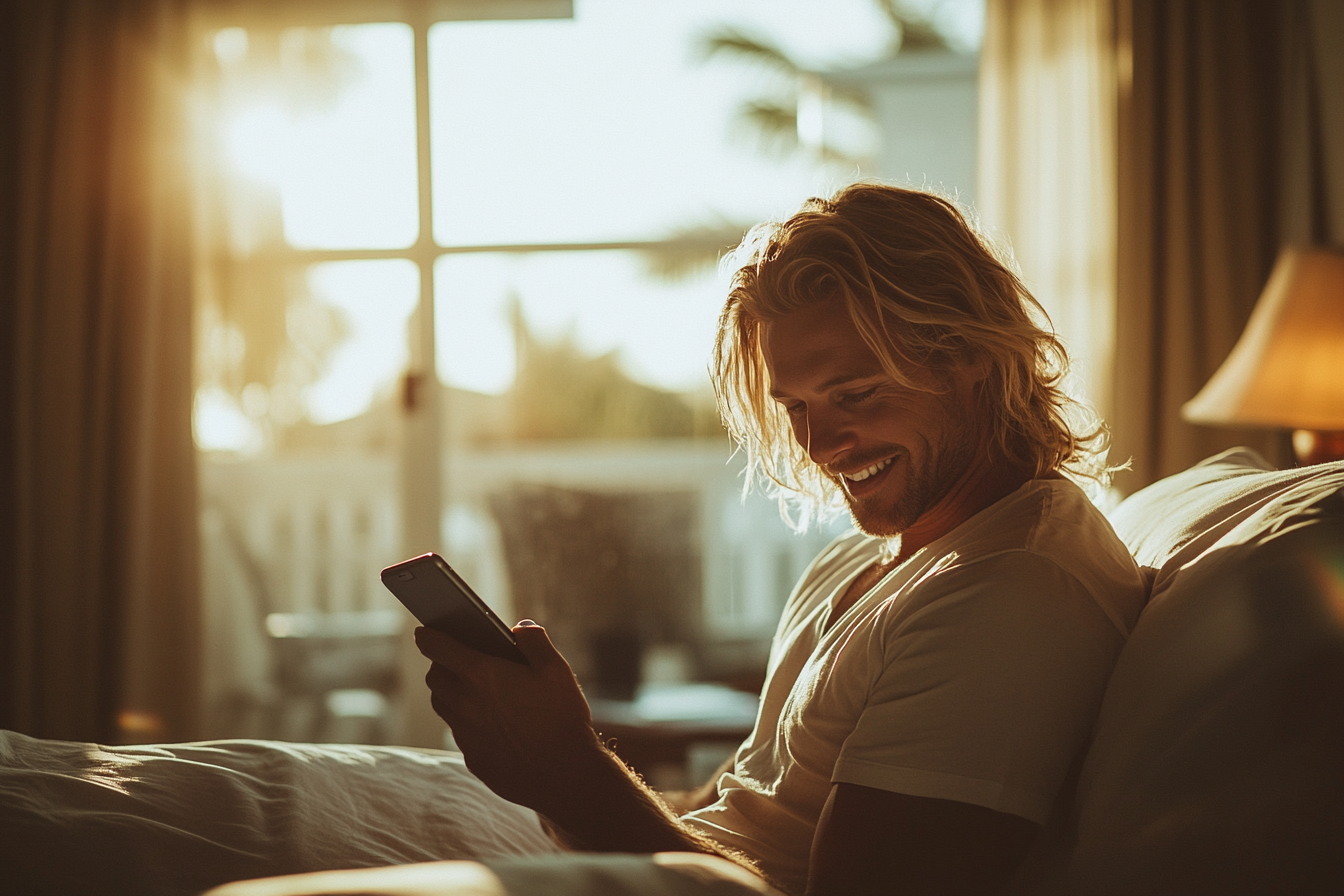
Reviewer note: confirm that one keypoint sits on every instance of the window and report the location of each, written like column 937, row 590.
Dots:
column 457, row 291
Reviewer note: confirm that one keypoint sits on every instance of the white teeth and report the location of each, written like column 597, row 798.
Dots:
column 869, row 471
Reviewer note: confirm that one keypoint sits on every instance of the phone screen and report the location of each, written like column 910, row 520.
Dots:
column 438, row 597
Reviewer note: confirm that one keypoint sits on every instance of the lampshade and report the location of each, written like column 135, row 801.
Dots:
column 1288, row 367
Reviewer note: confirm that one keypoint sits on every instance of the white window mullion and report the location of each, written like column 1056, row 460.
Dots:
column 421, row 476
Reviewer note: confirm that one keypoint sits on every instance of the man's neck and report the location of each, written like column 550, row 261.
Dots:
column 982, row 485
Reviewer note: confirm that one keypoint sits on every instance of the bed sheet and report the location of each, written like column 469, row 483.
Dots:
column 164, row 820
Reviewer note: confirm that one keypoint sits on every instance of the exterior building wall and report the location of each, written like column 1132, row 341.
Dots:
column 924, row 105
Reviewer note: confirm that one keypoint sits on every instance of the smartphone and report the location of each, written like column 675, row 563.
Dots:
column 437, row 596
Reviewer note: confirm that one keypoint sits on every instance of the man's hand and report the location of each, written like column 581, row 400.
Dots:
column 523, row 730
column 526, row 731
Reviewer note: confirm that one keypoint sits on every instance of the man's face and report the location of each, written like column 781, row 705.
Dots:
column 896, row 451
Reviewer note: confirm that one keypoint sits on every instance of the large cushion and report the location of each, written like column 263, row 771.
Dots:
column 1235, row 496
column 1218, row 760
column 79, row 818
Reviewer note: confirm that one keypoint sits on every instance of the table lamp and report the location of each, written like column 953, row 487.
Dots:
column 1287, row 369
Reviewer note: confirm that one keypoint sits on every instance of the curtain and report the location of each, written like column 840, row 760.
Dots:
column 1047, row 167
column 1311, row 207
column 1229, row 132
column 98, row 500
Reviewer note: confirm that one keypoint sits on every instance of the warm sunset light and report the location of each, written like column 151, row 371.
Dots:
column 536, row 139
column 498, row 351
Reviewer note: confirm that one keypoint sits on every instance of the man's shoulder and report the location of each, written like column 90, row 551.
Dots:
column 1050, row 523
column 1051, row 517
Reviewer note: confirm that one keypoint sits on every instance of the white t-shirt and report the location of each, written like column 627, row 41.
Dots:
column 972, row 672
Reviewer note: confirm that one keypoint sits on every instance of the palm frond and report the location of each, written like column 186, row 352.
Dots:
column 855, row 98
column 841, row 159
column 918, row 35
column 758, row 51
column 691, row 249
column 917, row 32
column 774, row 123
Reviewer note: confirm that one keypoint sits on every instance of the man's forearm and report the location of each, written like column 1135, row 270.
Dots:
column 526, row 732
column 603, row 806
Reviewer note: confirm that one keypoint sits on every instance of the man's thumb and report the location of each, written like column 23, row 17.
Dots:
column 534, row 643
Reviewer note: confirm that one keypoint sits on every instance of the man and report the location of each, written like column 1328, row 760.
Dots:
column 935, row 675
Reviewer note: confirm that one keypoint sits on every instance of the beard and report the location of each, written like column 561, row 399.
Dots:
column 926, row 482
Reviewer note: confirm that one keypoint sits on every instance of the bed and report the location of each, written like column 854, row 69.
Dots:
column 1217, row 764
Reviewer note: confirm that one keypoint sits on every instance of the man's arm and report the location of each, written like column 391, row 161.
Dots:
column 526, row 732
column 870, row 841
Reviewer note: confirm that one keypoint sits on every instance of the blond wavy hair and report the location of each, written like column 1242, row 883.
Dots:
column 926, row 291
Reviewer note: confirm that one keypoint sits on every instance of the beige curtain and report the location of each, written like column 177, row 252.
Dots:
column 1146, row 159
column 1228, row 149
column 98, row 503
column 1047, row 166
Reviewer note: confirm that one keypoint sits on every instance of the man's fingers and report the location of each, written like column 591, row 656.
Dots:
column 443, row 710
column 441, row 678
column 535, row 644
column 447, row 651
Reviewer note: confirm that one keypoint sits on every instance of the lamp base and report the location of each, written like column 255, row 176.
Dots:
column 1317, row 446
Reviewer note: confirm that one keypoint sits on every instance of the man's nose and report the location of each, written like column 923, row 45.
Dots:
column 828, row 435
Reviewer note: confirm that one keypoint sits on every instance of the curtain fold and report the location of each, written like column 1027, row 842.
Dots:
column 1047, row 166
column 101, row 629
column 1147, row 159
column 1222, row 160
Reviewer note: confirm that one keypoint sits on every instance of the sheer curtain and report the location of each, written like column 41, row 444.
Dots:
column 98, row 502
column 1231, row 146
column 1200, row 165
column 1047, row 166
column 1147, row 159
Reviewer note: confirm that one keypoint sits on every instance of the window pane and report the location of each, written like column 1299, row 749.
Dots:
column 660, row 330
column 286, row 350
column 297, row 419
column 587, row 478
column 315, row 136
column 604, row 127
column 617, row 125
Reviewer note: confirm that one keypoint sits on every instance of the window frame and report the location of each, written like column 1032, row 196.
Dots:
column 420, row 488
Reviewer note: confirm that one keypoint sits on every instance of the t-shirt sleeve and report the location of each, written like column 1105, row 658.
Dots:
column 987, row 691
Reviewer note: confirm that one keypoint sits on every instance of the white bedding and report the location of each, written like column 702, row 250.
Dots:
column 78, row 818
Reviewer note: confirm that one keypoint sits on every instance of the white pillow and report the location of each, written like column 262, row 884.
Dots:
column 79, row 818
column 1230, row 498
column 1215, row 765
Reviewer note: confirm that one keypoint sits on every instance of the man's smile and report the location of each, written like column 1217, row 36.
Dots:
column 868, row 471
column 867, row 479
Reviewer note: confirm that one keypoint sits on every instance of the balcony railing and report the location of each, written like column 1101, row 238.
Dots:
column 307, row 536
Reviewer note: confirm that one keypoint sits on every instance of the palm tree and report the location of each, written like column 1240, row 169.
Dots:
column 793, row 118
column 790, row 120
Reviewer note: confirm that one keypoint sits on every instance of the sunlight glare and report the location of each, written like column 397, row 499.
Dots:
column 257, row 144
column 376, row 298
column 220, row 425
column 345, row 169
column 534, row 140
